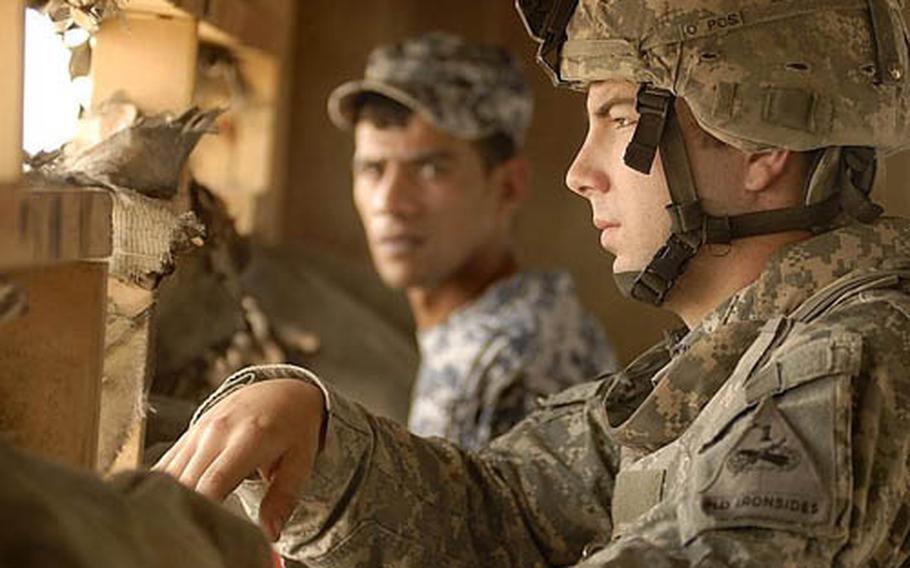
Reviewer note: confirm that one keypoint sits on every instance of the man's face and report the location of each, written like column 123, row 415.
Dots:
column 426, row 202
column 628, row 207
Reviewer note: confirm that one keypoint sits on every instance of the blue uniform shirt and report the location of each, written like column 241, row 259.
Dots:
column 484, row 368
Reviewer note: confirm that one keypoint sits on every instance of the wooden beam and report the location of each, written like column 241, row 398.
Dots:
column 254, row 24
column 150, row 59
column 234, row 23
column 182, row 8
column 42, row 227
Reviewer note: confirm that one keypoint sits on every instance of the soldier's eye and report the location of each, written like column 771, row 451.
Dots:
column 624, row 122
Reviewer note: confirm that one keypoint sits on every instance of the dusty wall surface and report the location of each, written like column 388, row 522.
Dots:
column 555, row 228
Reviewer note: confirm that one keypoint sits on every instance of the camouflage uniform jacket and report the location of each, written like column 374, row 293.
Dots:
column 484, row 368
column 774, row 434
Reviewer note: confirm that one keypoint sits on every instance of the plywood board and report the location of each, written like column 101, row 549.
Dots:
column 50, row 363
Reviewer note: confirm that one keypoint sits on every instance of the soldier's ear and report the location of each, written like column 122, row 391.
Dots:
column 765, row 169
column 512, row 182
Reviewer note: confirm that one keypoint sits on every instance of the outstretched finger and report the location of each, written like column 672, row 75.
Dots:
column 241, row 458
column 284, row 488
column 165, row 460
column 211, row 444
column 178, row 456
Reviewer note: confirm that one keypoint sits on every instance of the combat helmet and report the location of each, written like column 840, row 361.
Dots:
column 805, row 75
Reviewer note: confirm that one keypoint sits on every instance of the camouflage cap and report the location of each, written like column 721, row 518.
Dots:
column 757, row 74
column 467, row 90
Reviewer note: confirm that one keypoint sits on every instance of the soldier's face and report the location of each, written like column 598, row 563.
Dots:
column 628, row 207
column 425, row 200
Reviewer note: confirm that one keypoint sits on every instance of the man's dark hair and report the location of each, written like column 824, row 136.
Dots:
column 383, row 112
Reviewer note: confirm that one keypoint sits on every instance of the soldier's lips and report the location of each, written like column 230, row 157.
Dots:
column 603, row 224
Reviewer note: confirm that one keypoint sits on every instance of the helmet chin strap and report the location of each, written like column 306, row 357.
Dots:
column 658, row 128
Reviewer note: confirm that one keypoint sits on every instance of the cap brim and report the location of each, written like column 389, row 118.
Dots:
column 341, row 101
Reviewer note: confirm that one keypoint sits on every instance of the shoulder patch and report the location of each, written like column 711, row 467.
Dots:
column 767, row 474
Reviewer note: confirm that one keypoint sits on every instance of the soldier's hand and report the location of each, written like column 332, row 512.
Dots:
column 272, row 428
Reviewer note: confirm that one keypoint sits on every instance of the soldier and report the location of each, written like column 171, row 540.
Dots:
column 773, row 432
column 438, row 177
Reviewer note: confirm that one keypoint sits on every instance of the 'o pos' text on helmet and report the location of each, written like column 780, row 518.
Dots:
column 801, row 75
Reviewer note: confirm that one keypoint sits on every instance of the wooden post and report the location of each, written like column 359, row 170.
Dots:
column 12, row 49
column 12, row 22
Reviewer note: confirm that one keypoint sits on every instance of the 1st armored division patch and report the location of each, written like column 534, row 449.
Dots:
column 767, row 474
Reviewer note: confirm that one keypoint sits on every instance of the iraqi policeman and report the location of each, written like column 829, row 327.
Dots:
column 438, row 177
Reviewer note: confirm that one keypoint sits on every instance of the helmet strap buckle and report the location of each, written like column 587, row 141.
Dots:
column 655, row 281
column 654, row 106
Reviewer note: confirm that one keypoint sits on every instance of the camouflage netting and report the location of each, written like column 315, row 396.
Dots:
column 86, row 14
column 139, row 159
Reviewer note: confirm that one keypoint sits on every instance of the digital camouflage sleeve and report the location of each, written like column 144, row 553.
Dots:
column 381, row 496
column 775, row 433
